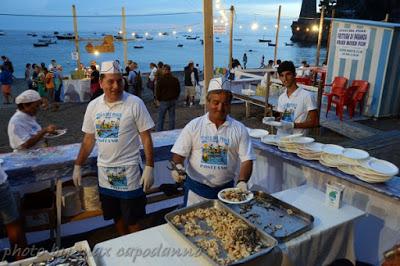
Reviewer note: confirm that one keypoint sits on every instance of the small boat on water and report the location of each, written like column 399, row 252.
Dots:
column 180, row 45
column 237, row 39
column 264, row 40
column 137, row 36
column 56, row 33
column 2, row 33
column 47, row 36
column 289, row 44
column 138, row 46
column 164, row 33
column 218, row 40
column 34, row 35
column 271, row 44
column 48, row 41
column 149, row 38
column 191, row 38
column 68, row 36
column 40, row 44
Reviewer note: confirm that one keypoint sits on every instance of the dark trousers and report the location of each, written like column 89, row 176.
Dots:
column 162, row 109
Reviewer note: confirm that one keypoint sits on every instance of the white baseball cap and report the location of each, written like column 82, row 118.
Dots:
column 110, row 67
column 28, row 96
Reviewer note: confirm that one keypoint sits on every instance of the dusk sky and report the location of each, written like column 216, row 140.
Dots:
column 248, row 11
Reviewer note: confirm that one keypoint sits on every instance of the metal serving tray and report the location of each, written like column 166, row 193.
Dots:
column 269, row 214
column 264, row 237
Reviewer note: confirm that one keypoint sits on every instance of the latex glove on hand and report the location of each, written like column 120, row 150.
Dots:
column 179, row 174
column 242, row 185
column 147, row 179
column 77, row 175
column 287, row 125
column 267, row 119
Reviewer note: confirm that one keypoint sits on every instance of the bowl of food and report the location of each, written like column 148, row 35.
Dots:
column 235, row 195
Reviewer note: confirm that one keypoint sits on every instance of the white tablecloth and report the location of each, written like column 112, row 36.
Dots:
column 76, row 90
column 330, row 238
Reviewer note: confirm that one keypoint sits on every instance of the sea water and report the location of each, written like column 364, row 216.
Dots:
column 18, row 46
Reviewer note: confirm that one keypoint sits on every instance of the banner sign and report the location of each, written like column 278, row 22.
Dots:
column 352, row 43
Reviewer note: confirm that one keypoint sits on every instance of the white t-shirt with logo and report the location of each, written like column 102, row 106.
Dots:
column 21, row 128
column 297, row 107
column 116, row 127
column 214, row 155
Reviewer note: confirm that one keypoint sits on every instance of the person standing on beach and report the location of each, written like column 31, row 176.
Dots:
column 6, row 80
column 297, row 107
column 94, row 79
column 217, row 147
column 49, row 84
column 135, row 80
column 24, row 132
column 262, row 64
column 167, row 93
column 28, row 76
column 8, row 63
column 245, row 60
column 191, row 80
column 116, row 121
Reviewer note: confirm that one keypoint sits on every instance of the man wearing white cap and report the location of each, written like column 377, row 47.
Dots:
column 217, row 148
column 117, row 121
column 24, row 132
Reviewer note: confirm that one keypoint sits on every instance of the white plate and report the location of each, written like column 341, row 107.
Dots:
column 290, row 137
column 270, row 139
column 249, row 196
column 368, row 180
column 273, row 123
column 59, row 132
column 355, row 154
column 381, row 167
column 307, row 157
column 315, row 147
column 332, row 149
column 258, row 133
column 303, row 140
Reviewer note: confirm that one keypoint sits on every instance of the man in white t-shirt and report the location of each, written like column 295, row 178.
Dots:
column 218, row 150
column 24, row 132
column 116, row 121
column 296, row 106
column 10, row 217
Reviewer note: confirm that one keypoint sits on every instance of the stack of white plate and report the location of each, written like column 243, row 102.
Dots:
column 293, row 144
column 310, row 151
column 257, row 133
column 271, row 139
column 330, row 155
column 351, row 157
column 375, row 170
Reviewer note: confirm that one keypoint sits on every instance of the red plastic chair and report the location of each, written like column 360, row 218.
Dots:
column 360, row 88
column 337, row 95
column 304, row 80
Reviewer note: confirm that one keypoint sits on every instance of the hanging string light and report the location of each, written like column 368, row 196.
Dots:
column 254, row 26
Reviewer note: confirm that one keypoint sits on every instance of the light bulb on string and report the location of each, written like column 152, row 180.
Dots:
column 240, row 27
column 174, row 32
column 254, row 26
column 146, row 34
column 133, row 34
column 159, row 34
column 276, row 26
column 190, row 30
column 265, row 28
column 315, row 28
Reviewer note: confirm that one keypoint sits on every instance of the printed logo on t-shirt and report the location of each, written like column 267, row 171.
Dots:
column 214, row 152
column 288, row 114
column 107, row 126
column 116, row 176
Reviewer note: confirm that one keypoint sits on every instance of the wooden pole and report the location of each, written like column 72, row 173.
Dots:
column 329, row 35
column 320, row 29
column 78, row 62
column 278, row 23
column 231, row 37
column 124, row 42
column 208, row 44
